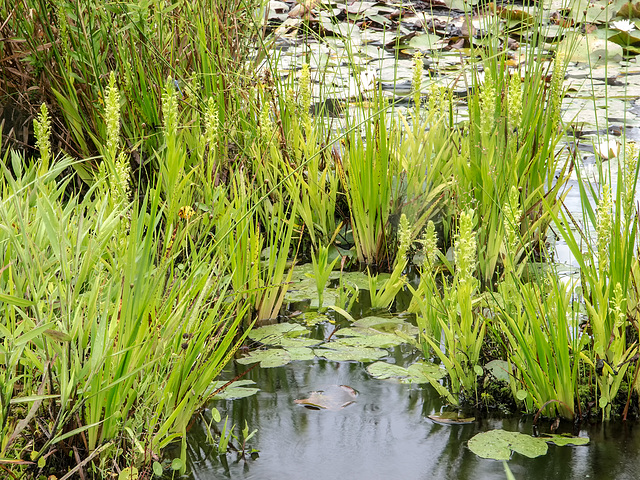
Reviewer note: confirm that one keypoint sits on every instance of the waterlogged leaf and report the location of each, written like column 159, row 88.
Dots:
column 338, row 352
column 384, row 370
column 238, row 389
column 274, row 357
column 499, row 369
column 423, row 42
column 451, row 418
column 334, row 397
column 498, row 444
column 273, row 334
column 563, row 440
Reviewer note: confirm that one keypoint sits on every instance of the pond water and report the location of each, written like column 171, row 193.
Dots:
column 386, row 434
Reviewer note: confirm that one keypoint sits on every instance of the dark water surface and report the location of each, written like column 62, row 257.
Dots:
column 386, row 434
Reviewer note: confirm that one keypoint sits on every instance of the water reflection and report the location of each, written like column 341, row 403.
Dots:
column 385, row 435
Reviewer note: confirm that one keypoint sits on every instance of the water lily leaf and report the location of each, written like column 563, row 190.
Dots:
column 590, row 49
column 498, row 444
column 499, row 369
column 274, row 357
column 300, row 353
column 425, row 372
column 312, row 318
column 238, row 389
column 296, row 342
column 334, row 397
column 451, row 418
column 273, row 334
column 563, row 440
column 387, row 325
column 364, row 338
column 341, row 353
column 384, row 370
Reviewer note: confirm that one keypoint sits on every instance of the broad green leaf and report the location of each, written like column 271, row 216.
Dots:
column 238, row 389
column 274, row 357
column 341, row 353
column 563, row 440
column 498, row 444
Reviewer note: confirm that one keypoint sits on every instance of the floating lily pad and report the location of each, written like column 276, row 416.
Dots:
column 334, row 397
column 275, row 357
column 563, row 440
column 387, row 324
column 273, row 334
column 357, row 337
column 300, row 353
column 384, row 370
column 238, row 389
column 338, row 352
column 498, row 444
column 419, row 372
column 451, row 418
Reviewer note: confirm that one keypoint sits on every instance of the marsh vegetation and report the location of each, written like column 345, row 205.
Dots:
column 183, row 194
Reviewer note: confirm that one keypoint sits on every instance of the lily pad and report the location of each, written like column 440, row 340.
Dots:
column 451, row 418
column 274, row 357
column 498, row 444
column 334, row 397
column 238, row 389
column 384, row 370
column 273, row 334
column 368, row 338
column 419, row 372
column 338, row 352
column 499, row 369
column 563, row 440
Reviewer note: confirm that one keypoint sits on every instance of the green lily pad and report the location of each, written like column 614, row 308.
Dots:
column 273, row 334
column 334, row 397
column 300, row 353
column 563, row 440
column 498, row 444
column 499, row 369
column 368, row 338
column 238, row 389
column 451, row 418
column 425, row 372
column 338, row 352
column 288, row 343
column 387, row 324
column 275, row 357
column 384, row 370
column 419, row 372
column 312, row 318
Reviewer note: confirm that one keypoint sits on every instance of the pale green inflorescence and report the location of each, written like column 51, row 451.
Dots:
column 556, row 89
column 430, row 244
column 603, row 227
column 465, row 248
column 619, row 308
column 170, row 109
column 266, row 126
column 42, row 130
column 404, row 236
column 487, row 103
column 512, row 213
column 305, row 94
column 514, row 101
column 120, row 186
column 630, row 166
column 112, row 117
column 416, row 81
column 211, row 123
